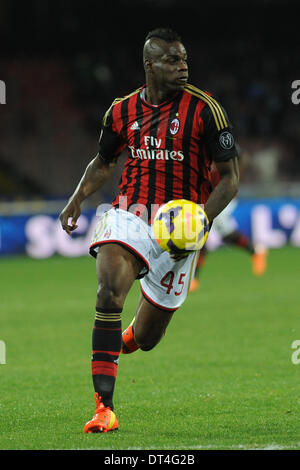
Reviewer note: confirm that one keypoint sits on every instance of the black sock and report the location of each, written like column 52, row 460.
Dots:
column 106, row 344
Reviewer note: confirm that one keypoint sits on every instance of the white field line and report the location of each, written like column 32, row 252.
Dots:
column 272, row 446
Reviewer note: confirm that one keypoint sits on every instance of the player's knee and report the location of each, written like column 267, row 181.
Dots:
column 109, row 297
column 116, row 271
column 145, row 342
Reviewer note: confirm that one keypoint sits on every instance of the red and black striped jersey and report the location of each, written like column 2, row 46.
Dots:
column 170, row 147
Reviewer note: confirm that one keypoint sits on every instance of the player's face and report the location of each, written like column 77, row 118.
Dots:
column 168, row 65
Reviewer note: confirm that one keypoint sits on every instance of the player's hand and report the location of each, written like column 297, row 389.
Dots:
column 73, row 211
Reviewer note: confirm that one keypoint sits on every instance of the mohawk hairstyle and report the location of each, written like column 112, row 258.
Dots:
column 166, row 34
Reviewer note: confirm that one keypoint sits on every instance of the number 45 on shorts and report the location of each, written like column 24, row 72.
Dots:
column 168, row 282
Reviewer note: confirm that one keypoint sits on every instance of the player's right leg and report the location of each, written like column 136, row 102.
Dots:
column 117, row 268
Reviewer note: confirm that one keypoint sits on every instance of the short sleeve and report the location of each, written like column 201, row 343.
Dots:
column 218, row 133
column 111, row 144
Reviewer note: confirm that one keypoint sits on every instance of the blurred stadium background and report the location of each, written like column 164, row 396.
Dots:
column 63, row 62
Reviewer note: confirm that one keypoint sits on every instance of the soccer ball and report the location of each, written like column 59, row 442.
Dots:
column 180, row 226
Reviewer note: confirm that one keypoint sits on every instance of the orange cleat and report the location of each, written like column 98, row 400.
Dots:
column 259, row 261
column 128, row 342
column 195, row 284
column 104, row 419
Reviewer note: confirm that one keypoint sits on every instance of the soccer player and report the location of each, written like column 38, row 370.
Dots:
column 172, row 131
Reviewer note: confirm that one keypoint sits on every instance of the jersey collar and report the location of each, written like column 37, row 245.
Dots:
column 155, row 106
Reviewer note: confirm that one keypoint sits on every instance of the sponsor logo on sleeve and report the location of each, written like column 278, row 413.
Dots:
column 226, row 140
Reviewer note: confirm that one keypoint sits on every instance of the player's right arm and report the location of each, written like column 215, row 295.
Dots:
column 96, row 174
column 98, row 171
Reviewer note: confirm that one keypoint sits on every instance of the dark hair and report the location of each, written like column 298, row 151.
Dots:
column 166, row 34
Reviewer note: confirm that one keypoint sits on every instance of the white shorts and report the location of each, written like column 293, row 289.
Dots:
column 164, row 283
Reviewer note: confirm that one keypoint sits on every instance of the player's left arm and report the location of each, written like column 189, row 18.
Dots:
column 220, row 145
column 225, row 190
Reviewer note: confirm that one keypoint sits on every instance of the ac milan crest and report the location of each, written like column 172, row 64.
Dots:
column 174, row 127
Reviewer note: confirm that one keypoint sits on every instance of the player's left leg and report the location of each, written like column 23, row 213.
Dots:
column 128, row 341
column 147, row 328
column 164, row 289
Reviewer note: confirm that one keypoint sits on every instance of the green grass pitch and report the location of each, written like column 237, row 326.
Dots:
column 221, row 378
